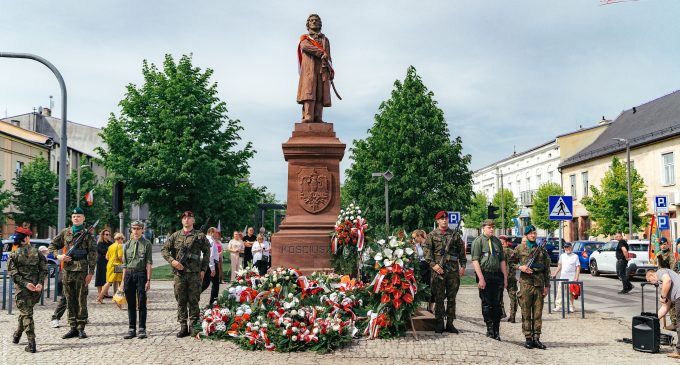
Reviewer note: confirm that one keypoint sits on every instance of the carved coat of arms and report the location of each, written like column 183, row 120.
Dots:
column 315, row 188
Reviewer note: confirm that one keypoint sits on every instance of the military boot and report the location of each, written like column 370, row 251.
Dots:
column 529, row 343
column 73, row 332
column 81, row 333
column 16, row 336
column 450, row 327
column 538, row 344
column 503, row 314
column 192, row 328
column 489, row 329
column 183, row 331
column 496, row 331
column 439, row 327
column 30, row 347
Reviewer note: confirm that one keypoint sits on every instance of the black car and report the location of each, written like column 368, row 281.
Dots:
column 468, row 244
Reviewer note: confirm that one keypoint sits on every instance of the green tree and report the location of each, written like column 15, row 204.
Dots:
column 508, row 205
column 608, row 206
column 411, row 139
column 175, row 148
column 34, row 195
column 478, row 211
column 5, row 201
column 539, row 212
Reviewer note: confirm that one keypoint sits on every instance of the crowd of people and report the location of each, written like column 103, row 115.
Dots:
column 196, row 258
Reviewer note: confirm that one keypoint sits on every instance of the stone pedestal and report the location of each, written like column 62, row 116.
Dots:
column 313, row 153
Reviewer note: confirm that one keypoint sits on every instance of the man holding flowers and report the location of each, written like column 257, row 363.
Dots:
column 444, row 251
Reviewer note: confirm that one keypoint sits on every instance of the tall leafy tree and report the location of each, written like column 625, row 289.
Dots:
column 34, row 195
column 539, row 212
column 175, row 147
column 507, row 203
column 608, row 205
column 478, row 211
column 5, row 201
column 411, row 139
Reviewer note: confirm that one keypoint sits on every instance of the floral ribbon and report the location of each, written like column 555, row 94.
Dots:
column 361, row 225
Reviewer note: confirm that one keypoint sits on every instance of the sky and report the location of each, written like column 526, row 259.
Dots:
column 509, row 75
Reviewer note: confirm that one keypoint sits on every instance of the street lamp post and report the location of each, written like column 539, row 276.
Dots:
column 387, row 175
column 78, row 189
column 630, row 197
column 61, row 217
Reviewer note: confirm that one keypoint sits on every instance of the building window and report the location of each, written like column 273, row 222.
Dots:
column 20, row 166
column 538, row 180
column 572, row 183
column 550, row 176
column 528, row 183
column 668, row 169
column 584, row 181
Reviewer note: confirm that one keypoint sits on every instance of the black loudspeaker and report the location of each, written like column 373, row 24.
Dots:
column 646, row 333
column 118, row 197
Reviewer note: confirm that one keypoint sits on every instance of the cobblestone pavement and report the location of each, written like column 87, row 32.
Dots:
column 586, row 341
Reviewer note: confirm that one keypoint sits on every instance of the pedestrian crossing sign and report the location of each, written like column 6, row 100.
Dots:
column 560, row 207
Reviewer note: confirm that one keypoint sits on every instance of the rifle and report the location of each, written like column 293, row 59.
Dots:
column 445, row 254
column 534, row 255
column 183, row 252
column 75, row 247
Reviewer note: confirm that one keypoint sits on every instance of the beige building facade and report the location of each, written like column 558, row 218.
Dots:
column 653, row 132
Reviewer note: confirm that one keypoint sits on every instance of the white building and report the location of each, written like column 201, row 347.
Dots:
column 522, row 173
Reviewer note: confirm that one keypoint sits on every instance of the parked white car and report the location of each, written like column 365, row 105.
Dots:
column 603, row 261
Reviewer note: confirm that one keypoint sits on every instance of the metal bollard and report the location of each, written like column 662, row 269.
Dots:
column 49, row 268
column 4, row 289
column 42, row 297
column 554, row 285
column 565, row 285
column 11, row 294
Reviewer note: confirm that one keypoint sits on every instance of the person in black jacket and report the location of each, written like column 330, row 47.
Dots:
column 100, row 270
column 622, row 258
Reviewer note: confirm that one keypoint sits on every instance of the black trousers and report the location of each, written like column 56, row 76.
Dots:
column 135, row 293
column 215, row 281
column 491, row 297
column 622, row 272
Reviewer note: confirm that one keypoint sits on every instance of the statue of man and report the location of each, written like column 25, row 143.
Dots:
column 316, row 72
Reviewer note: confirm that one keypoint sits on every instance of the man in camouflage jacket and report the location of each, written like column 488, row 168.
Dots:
column 188, row 252
column 28, row 269
column 444, row 251
column 78, row 270
column 534, row 284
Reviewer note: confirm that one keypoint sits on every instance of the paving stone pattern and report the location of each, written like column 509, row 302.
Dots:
column 584, row 341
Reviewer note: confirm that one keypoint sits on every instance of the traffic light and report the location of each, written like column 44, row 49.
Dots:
column 491, row 212
column 117, row 197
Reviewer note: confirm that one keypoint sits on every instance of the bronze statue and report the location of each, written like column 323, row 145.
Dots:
column 316, row 72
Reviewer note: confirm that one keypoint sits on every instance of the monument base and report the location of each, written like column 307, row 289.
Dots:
column 313, row 153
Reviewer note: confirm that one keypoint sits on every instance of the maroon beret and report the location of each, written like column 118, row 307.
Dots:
column 441, row 214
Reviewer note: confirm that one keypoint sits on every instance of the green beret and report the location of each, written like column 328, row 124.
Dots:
column 664, row 239
column 528, row 229
column 77, row 210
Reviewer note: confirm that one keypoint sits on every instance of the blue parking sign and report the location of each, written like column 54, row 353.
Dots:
column 661, row 204
column 454, row 217
column 663, row 223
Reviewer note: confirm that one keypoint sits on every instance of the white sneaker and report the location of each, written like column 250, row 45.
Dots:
column 557, row 309
column 55, row 323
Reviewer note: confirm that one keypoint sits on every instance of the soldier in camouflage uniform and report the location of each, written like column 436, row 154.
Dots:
column 78, row 270
column 534, row 284
column 28, row 269
column 511, row 264
column 183, row 250
column 665, row 259
column 444, row 251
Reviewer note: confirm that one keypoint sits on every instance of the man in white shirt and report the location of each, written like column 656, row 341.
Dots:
column 569, row 267
column 214, row 277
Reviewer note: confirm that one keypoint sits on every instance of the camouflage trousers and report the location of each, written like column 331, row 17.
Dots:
column 531, row 301
column 445, row 286
column 25, row 301
column 512, row 294
column 187, row 292
column 75, row 292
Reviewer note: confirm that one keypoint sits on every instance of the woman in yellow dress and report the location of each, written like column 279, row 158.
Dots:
column 114, row 255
